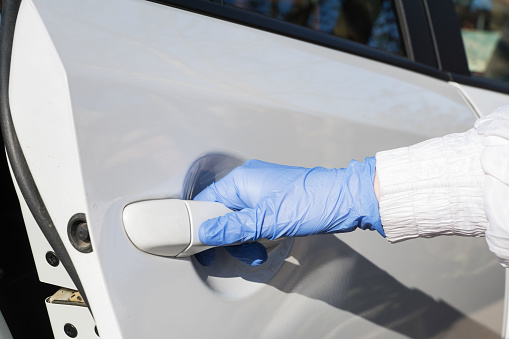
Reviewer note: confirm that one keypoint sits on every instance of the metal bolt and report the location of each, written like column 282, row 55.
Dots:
column 52, row 259
column 70, row 330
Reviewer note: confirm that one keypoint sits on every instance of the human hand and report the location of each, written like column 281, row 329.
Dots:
column 274, row 201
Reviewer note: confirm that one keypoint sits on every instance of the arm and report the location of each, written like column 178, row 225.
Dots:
column 433, row 188
column 454, row 185
column 376, row 188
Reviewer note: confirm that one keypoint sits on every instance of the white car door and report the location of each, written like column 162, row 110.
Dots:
column 119, row 101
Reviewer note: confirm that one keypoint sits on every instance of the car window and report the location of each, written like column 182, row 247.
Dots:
column 485, row 32
column 370, row 22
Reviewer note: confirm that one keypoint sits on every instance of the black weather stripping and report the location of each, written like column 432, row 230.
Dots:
column 15, row 154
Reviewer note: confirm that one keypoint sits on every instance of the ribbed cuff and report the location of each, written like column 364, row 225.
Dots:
column 433, row 188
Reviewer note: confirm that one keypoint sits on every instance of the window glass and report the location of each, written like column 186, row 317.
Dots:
column 485, row 31
column 370, row 22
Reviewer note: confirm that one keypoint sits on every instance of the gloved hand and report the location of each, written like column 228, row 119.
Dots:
column 274, row 201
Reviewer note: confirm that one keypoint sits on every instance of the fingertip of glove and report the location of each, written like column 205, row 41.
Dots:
column 202, row 232
column 262, row 252
column 253, row 254
column 206, row 233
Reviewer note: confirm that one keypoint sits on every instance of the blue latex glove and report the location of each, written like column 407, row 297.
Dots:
column 274, row 201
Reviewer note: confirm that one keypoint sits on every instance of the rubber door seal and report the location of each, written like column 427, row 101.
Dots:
column 15, row 154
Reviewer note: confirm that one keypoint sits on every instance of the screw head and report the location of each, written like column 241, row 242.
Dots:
column 70, row 330
column 52, row 259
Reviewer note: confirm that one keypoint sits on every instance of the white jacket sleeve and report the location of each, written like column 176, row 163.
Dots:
column 454, row 185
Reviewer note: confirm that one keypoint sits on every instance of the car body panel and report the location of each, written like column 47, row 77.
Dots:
column 128, row 94
column 486, row 100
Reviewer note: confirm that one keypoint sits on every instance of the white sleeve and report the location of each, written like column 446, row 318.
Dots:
column 494, row 128
column 454, row 185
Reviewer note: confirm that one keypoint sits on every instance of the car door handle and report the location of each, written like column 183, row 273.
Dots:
column 169, row 227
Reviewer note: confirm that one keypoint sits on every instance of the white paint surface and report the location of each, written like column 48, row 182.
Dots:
column 486, row 100
column 78, row 316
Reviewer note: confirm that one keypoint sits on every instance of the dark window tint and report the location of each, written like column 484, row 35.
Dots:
column 485, row 31
column 369, row 22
